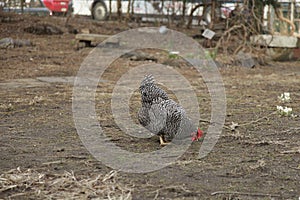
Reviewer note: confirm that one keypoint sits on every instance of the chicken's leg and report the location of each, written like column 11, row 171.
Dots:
column 162, row 142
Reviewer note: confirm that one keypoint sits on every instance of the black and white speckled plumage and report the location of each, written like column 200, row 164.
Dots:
column 161, row 115
column 151, row 92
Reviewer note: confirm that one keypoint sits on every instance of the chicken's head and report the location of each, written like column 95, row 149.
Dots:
column 197, row 136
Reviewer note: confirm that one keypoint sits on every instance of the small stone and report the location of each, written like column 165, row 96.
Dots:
column 163, row 30
column 245, row 59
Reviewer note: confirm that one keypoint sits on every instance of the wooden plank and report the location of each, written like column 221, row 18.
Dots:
column 91, row 37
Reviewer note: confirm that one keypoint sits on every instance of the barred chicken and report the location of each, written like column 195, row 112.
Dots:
column 163, row 116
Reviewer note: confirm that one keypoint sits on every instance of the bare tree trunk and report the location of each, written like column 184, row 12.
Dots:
column 119, row 10
column 191, row 15
column 213, row 14
column 293, row 3
column 132, row 7
column 109, row 9
column 173, row 11
column 22, row 6
column 128, row 11
column 183, row 11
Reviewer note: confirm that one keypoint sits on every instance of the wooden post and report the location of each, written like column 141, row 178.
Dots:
column 119, row 9
column 293, row 10
column 128, row 11
column 22, row 6
column 110, row 9
column 183, row 11
column 213, row 14
column 132, row 7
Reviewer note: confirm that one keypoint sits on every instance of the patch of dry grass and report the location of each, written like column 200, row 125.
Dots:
column 37, row 185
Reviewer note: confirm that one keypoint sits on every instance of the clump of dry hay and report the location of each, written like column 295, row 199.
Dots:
column 30, row 183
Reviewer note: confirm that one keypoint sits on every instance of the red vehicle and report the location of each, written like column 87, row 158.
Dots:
column 58, row 6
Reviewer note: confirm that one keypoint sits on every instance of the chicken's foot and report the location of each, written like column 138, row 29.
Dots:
column 162, row 142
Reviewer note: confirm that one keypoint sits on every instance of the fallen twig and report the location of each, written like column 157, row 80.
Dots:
column 110, row 175
column 76, row 157
column 53, row 162
column 265, row 142
column 296, row 168
column 156, row 195
column 233, row 125
column 8, row 188
column 17, row 195
column 257, row 120
column 246, row 193
column 297, row 150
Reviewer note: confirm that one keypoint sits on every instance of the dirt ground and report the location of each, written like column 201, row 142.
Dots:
column 258, row 159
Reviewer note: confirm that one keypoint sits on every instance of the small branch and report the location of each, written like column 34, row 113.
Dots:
column 210, row 122
column 246, row 193
column 257, row 120
column 244, row 124
column 235, row 27
column 17, row 195
column 280, row 16
column 8, row 188
column 53, row 162
column 244, row 43
column 156, row 195
column 204, row 120
column 76, row 157
column 293, row 151
column 296, row 168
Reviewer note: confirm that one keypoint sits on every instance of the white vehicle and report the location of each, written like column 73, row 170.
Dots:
column 99, row 9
